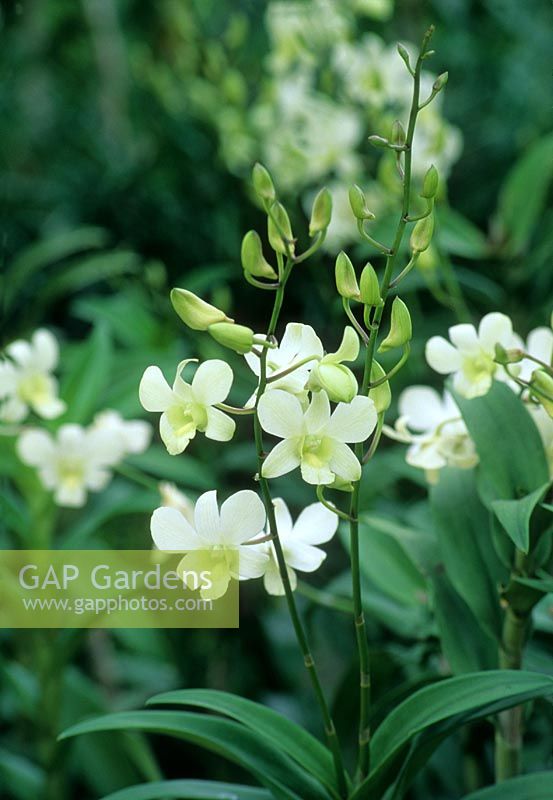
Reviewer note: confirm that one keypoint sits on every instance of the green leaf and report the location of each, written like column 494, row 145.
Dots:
column 89, row 271
column 512, row 458
column 38, row 256
column 465, row 644
column 469, row 557
column 82, row 389
column 21, row 777
column 523, row 196
column 543, row 584
column 515, row 515
column 435, row 711
column 287, row 736
column 457, row 235
column 190, row 790
column 188, row 471
column 252, row 751
column 536, row 786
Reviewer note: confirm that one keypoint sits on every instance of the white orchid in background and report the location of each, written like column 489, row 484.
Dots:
column 544, row 424
column 133, row 435
column 539, row 344
column 434, row 429
column 315, row 440
column 299, row 345
column 26, row 382
column 216, row 538
column 315, row 525
column 173, row 497
column 469, row 354
column 73, row 462
column 187, row 408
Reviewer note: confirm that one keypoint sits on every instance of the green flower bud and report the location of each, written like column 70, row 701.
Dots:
column 337, row 380
column 340, row 485
column 236, row 337
column 503, row 356
column 428, row 261
column 422, row 234
column 358, row 203
column 405, row 56
column 543, row 382
column 430, row 183
column 253, row 261
column 194, row 311
column 346, row 280
column 378, row 141
column 401, row 330
column 440, row 82
column 369, row 286
column 398, row 133
column 381, row 395
column 321, row 212
column 279, row 213
column 263, row 183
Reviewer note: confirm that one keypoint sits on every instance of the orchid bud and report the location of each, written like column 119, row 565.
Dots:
column 379, row 141
column 358, row 203
column 430, row 183
column 194, row 311
column 503, row 356
column 236, row 337
column 263, row 183
column 398, row 134
column 543, row 382
column 440, row 82
column 340, row 485
column 321, row 212
column 422, row 234
column 404, row 56
column 369, row 286
column 253, row 261
column 280, row 217
column 337, row 380
column 381, row 395
column 401, row 330
column 346, row 280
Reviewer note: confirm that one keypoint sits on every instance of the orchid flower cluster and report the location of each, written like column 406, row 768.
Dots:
column 75, row 459
column 432, row 425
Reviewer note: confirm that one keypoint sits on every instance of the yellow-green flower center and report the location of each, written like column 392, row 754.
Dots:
column 478, row 366
column 187, row 418
column 316, row 451
column 33, row 388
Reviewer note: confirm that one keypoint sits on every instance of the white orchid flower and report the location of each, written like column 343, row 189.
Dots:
column 299, row 345
column 215, row 538
column 315, row 525
column 134, row 435
column 469, row 355
column 25, row 379
column 544, row 424
column 539, row 344
column 315, row 440
column 435, row 431
column 74, row 462
column 187, row 408
column 173, row 497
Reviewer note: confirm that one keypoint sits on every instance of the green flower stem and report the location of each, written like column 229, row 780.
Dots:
column 510, row 723
column 234, row 410
column 363, row 765
column 356, row 325
column 395, row 369
column 330, row 729
column 319, row 239
column 276, row 376
column 378, row 245
column 404, row 272
column 331, row 507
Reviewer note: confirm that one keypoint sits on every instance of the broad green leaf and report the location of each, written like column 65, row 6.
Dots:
column 463, row 529
column 82, row 389
column 22, row 779
column 543, row 584
column 48, row 251
column 436, row 711
column 523, row 196
column 385, row 562
column 457, row 235
column 286, row 735
column 89, row 271
column 191, row 790
column 188, row 471
column 465, row 644
column 536, row 786
column 512, row 458
column 515, row 515
column 250, row 750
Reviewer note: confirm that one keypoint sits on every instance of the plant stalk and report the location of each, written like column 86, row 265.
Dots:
column 309, row 661
column 363, row 764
